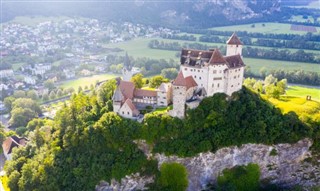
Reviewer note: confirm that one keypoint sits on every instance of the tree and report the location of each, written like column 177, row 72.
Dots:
column 170, row 73
column 52, row 95
column 45, row 97
column 59, row 93
column 49, row 84
column 137, row 80
column 32, row 94
column 240, row 178
column 270, row 80
column 19, row 94
column 173, row 177
column 21, row 116
column 156, row 81
column 105, row 91
column 80, row 89
column 8, row 102
column 263, row 72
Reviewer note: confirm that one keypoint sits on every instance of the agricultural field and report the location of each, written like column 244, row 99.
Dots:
column 139, row 48
column 299, row 18
column 302, row 92
column 257, row 64
column 87, row 81
column 277, row 28
column 295, row 100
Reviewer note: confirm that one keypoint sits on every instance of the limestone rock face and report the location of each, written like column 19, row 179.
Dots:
column 128, row 183
column 284, row 166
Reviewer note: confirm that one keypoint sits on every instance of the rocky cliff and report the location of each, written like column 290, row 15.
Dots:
column 283, row 164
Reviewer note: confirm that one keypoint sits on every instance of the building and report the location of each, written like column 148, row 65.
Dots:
column 127, row 100
column 10, row 143
column 6, row 73
column 205, row 73
column 128, row 70
column 202, row 74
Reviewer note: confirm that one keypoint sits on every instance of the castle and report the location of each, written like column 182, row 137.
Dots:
column 202, row 74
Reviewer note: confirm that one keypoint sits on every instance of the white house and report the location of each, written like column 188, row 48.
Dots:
column 6, row 73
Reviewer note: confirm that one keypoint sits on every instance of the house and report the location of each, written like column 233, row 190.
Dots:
column 127, row 99
column 30, row 80
column 6, row 73
column 41, row 69
column 10, row 143
column 164, row 94
column 69, row 73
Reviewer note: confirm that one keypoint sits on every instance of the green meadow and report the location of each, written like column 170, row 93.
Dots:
column 87, row 81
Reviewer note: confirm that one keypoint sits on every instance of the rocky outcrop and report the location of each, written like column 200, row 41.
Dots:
column 128, row 183
column 281, row 164
column 285, row 165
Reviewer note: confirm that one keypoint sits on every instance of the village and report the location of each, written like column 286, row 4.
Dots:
column 35, row 58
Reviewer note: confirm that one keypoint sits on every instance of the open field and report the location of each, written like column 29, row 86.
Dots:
column 302, row 92
column 86, row 81
column 299, row 18
column 257, row 64
column 278, row 28
column 139, row 48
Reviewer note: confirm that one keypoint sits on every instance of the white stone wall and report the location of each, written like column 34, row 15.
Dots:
column 235, row 78
column 200, row 75
column 163, row 99
column 125, row 111
column 179, row 98
column 234, row 49
column 216, row 79
column 116, row 106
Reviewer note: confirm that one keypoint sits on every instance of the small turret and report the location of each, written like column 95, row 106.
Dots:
column 234, row 46
column 127, row 68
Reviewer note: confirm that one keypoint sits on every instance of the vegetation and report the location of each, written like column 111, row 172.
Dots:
column 87, row 81
column 240, row 178
column 173, row 177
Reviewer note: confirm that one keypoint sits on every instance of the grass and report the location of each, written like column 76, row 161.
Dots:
column 87, row 81
column 277, row 28
column 257, row 64
column 16, row 66
column 4, row 180
column 162, row 110
column 302, row 92
column 139, row 48
column 299, row 18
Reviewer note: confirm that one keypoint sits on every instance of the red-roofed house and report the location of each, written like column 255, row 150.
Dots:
column 10, row 143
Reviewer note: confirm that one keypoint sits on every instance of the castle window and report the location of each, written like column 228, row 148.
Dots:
column 186, row 69
column 214, row 71
column 195, row 76
column 123, row 112
column 237, row 45
column 198, row 70
column 218, row 85
column 164, row 98
column 128, row 113
column 200, row 78
column 231, row 85
column 212, row 85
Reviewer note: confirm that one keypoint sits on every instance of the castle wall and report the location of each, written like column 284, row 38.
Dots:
column 216, row 79
column 116, row 106
column 235, row 79
column 179, row 99
column 200, row 75
column 233, row 49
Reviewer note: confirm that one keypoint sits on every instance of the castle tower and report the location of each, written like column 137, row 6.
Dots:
column 127, row 69
column 179, row 96
column 234, row 46
column 117, row 100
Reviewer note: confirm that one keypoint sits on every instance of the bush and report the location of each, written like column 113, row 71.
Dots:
column 173, row 177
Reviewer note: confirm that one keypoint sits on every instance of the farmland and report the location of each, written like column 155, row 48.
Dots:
column 139, row 48
column 277, row 28
column 87, row 81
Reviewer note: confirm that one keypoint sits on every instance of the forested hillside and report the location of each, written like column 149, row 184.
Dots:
column 173, row 13
column 86, row 142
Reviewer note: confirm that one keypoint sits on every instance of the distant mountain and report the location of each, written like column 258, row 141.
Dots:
column 197, row 13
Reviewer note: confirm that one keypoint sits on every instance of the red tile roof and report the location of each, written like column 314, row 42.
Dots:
column 127, row 89
column 217, row 58
column 132, row 107
column 12, row 142
column 182, row 81
column 234, row 61
column 234, row 40
column 142, row 93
